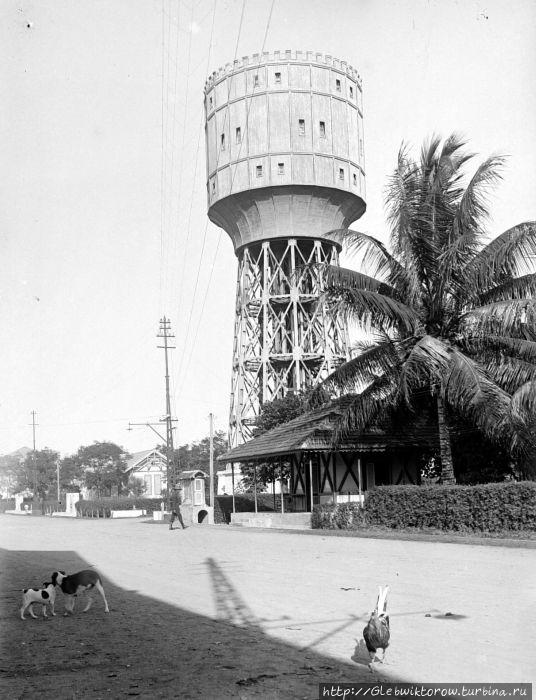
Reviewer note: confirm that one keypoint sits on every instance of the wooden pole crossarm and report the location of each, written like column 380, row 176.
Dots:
column 148, row 425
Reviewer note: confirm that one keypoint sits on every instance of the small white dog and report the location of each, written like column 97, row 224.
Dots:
column 82, row 582
column 44, row 596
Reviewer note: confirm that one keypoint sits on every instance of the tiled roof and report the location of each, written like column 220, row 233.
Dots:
column 314, row 431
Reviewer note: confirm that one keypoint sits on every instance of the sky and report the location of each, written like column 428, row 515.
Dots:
column 103, row 226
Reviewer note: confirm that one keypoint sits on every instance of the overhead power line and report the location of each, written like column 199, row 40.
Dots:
column 181, row 364
column 187, row 333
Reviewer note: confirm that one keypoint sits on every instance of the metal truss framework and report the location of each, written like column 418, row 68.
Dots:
column 285, row 338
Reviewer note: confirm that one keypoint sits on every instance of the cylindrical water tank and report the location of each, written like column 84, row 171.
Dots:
column 285, row 156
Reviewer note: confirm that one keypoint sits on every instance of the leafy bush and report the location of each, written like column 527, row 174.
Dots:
column 102, row 507
column 50, row 506
column 499, row 507
column 343, row 516
column 7, row 504
column 244, row 503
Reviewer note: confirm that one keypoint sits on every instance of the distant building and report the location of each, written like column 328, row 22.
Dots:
column 149, row 467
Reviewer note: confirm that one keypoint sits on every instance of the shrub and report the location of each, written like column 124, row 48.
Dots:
column 244, row 503
column 499, row 507
column 7, row 504
column 51, row 506
column 102, row 507
column 343, row 516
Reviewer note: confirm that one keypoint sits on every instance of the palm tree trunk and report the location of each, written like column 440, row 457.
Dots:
column 445, row 449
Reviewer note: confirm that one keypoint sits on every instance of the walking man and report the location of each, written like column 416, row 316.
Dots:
column 176, row 502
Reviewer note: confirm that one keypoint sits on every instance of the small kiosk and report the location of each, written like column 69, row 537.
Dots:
column 194, row 508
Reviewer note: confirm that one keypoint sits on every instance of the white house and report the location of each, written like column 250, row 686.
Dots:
column 149, row 467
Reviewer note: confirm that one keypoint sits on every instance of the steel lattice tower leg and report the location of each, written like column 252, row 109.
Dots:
column 285, row 337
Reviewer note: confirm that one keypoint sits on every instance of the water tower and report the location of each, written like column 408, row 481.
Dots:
column 285, row 165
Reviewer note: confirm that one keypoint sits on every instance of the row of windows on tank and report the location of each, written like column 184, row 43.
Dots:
column 301, row 132
column 281, row 171
column 277, row 76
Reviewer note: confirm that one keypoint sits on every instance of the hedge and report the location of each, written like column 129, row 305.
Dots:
column 223, row 507
column 7, row 504
column 343, row 516
column 102, row 507
column 498, row 507
column 244, row 503
column 52, row 506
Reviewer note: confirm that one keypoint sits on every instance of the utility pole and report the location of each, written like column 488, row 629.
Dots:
column 34, row 413
column 211, row 462
column 165, row 333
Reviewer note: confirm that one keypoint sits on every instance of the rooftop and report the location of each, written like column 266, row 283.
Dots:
column 314, row 431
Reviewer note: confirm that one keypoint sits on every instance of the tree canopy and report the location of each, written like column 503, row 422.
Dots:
column 196, row 455
column 38, row 473
column 450, row 313
column 272, row 414
column 103, row 465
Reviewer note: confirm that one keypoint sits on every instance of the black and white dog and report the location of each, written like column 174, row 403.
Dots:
column 43, row 596
column 72, row 585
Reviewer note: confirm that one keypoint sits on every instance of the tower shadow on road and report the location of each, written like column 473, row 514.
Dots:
column 145, row 647
column 230, row 606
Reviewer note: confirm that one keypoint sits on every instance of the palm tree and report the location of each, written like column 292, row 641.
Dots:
column 450, row 314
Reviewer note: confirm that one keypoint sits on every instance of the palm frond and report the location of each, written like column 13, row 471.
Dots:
column 473, row 205
column 342, row 277
column 374, row 255
column 429, row 150
column 523, row 417
column 406, row 195
column 511, row 254
column 372, row 310
column 498, row 345
column 471, row 392
column 510, row 373
column 383, row 358
column 373, row 404
column 464, row 235
column 514, row 288
column 425, row 366
column 507, row 318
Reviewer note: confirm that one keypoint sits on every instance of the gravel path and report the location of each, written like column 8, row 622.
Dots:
column 211, row 612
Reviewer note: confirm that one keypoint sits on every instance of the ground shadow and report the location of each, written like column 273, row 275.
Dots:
column 147, row 648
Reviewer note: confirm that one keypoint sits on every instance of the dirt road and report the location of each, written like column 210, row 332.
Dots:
column 213, row 612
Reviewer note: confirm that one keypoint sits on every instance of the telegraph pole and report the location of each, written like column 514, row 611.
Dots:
column 211, row 462
column 34, row 413
column 165, row 333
